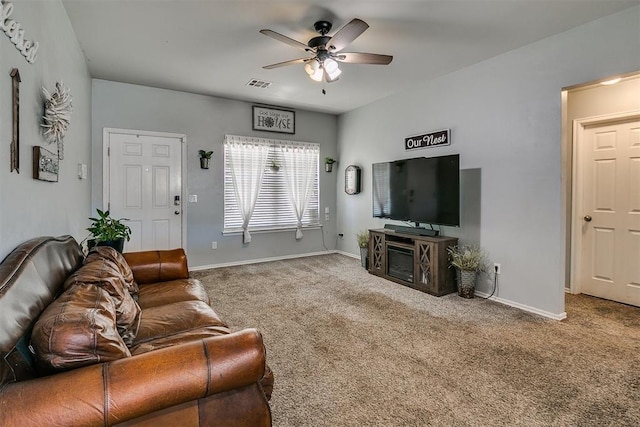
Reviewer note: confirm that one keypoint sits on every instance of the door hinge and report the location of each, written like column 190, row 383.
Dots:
column 108, row 206
column 108, row 151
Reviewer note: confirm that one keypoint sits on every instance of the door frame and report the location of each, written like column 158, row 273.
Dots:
column 579, row 126
column 106, row 133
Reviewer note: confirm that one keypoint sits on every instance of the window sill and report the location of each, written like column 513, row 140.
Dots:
column 235, row 231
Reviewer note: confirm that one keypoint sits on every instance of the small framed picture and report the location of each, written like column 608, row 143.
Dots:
column 271, row 119
column 45, row 165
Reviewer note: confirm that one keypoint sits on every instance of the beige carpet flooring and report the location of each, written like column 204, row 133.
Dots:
column 351, row 349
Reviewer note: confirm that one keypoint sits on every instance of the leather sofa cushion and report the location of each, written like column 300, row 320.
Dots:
column 179, row 338
column 109, row 253
column 169, row 292
column 158, row 266
column 78, row 329
column 104, row 273
column 172, row 319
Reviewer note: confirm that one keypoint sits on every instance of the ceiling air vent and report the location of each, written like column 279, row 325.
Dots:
column 258, row 83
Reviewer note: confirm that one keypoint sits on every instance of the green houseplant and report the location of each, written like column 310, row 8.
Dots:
column 107, row 231
column 468, row 260
column 205, row 158
column 328, row 164
column 363, row 243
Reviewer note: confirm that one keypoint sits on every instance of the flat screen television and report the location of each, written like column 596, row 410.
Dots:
column 421, row 190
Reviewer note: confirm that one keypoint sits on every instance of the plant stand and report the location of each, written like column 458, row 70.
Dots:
column 467, row 283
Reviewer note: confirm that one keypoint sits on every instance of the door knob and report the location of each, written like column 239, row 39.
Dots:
column 177, row 212
column 587, row 218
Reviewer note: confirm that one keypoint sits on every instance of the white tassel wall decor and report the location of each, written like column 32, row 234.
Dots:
column 57, row 115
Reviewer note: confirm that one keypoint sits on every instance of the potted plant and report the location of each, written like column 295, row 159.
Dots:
column 363, row 244
column 107, row 231
column 275, row 167
column 328, row 164
column 469, row 260
column 205, row 157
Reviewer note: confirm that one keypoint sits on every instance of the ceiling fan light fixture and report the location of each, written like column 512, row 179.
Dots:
column 314, row 70
column 312, row 67
column 330, row 65
column 333, row 75
column 317, row 76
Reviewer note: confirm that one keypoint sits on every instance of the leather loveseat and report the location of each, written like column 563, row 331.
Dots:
column 103, row 341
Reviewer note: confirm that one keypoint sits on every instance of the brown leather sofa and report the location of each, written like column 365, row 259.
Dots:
column 159, row 355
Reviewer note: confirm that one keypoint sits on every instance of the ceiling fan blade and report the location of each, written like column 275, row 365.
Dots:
column 285, row 39
column 285, row 63
column 363, row 58
column 347, row 34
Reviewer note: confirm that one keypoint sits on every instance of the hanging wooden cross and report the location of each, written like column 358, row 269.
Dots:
column 15, row 142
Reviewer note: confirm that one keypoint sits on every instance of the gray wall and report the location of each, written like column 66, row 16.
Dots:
column 28, row 207
column 505, row 121
column 205, row 120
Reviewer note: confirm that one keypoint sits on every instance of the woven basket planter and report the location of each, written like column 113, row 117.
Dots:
column 467, row 283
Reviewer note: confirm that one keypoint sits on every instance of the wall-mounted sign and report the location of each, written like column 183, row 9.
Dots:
column 45, row 165
column 432, row 139
column 274, row 120
column 12, row 29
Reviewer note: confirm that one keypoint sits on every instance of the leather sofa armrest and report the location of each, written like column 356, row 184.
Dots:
column 157, row 266
column 113, row 392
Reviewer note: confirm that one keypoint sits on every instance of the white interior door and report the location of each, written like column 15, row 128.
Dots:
column 144, row 186
column 609, row 214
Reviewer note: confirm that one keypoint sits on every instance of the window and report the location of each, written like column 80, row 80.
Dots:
column 283, row 173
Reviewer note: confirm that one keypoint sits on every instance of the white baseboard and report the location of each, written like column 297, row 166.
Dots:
column 349, row 254
column 523, row 307
column 259, row 260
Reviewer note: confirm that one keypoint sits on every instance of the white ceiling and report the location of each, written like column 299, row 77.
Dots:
column 214, row 47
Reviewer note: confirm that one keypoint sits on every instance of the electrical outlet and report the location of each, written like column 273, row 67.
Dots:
column 496, row 267
column 214, row 245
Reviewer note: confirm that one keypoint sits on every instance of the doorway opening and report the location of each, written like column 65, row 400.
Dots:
column 142, row 182
column 601, row 174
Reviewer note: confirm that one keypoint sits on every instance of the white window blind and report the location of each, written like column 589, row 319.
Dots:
column 274, row 208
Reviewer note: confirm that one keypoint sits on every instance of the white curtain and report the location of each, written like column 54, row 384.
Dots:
column 300, row 166
column 247, row 160
column 382, row 189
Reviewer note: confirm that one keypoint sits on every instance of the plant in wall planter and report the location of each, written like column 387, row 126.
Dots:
column 363, row 243
column 328, row 164
column 205, row 158
column 468, row 260
column 107, row 231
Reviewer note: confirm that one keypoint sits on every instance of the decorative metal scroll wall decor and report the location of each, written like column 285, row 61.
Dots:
column 45, row 165
column 15, row 141
column 13, row 30
column 57, row 115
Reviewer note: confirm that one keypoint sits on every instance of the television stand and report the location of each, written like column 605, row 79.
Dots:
column 418, row 261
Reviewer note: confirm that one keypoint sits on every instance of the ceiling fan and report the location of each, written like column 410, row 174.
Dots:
column 327, row 50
